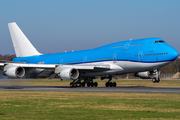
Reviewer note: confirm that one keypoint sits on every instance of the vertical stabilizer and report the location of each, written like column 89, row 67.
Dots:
column 22, row 45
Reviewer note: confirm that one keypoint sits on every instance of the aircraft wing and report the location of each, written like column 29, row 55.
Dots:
column 52, row 66
column 16, row 69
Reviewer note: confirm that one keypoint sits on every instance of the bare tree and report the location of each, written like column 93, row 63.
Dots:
column 172, row 68
column 7, row 57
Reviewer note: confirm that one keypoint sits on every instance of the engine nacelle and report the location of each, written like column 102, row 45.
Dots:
column 15, row 72
column 69, row 74
column 143, row 75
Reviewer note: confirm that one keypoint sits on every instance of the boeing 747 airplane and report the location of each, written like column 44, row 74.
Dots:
column 144, row 57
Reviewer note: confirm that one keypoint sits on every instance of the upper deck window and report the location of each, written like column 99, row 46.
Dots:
column 159, row 41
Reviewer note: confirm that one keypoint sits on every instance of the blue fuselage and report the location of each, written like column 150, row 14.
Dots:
column 149, row 50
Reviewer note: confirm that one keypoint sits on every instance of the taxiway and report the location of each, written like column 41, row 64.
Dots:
column 129, row 89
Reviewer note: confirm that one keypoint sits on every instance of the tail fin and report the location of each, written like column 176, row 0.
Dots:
column 22, row 45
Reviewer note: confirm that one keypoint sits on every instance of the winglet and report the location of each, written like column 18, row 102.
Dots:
column 22, row 45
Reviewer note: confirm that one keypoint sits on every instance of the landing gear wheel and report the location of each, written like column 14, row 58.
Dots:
column 110, row 84
column 95, row 84
column 88, row 84
column 92, row 84
column 107, row 84
column 158, row 80
column 75, row 84
column 83, row 84
column 154, row 80
column 71, row 84
column 114, row 84
column 79, row 84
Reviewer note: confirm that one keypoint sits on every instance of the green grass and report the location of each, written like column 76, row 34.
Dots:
column 32, row 105
column 88, row 105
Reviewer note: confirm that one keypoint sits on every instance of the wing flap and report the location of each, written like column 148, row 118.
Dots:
column 43, row 66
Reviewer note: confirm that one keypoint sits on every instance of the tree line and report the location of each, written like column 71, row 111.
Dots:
column 174, row 67
column 7, row 57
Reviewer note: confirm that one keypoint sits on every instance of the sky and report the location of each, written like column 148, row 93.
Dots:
column 55, row 26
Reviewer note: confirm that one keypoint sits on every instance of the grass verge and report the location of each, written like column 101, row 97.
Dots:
column 81, row 105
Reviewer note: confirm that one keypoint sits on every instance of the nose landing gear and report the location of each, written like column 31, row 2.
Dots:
column 155, row 78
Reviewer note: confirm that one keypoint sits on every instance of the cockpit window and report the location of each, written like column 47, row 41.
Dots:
column 159, row 41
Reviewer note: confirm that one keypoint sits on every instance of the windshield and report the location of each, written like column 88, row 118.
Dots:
column 159, row 41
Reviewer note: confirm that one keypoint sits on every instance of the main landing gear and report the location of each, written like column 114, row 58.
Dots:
column 78, row 83
column 109, row 83
column 92, row 84
column 74, row 84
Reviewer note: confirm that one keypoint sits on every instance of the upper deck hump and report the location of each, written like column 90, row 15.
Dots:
column 135, row 41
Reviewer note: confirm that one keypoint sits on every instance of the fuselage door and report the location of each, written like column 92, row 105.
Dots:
column 140, row 55
column 61, row 62
column 85, row 59
column 127, row 45
column 114, row 57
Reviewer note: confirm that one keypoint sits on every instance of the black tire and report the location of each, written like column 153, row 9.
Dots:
column 88, row 84
column 78, row 84
column 114, row 84
column 71, row 84
column 107, row 84
column 154, row 80
column 83, row 84
column 75, row 84
column 92, row 84
column 110, row 84
column 95, row 84
column 158, row 80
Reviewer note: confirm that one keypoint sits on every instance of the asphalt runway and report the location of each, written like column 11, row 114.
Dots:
column 129, row 89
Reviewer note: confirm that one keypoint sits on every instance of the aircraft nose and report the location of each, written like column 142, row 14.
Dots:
column 174, row 54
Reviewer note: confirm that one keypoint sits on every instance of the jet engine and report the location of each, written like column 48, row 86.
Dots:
column 143, row 75
column 15, row 72
column 69, row 74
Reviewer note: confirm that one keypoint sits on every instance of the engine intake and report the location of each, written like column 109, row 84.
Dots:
column 69, row 74
column 15, row 72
